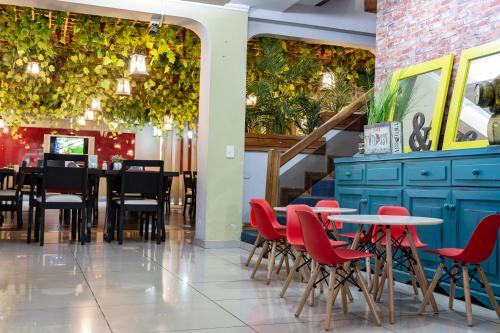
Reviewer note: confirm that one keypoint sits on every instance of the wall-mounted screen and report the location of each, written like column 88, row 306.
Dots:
column 69, row 145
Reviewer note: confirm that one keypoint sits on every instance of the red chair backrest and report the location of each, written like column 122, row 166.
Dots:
column 324, row 216
column 397, row 231
column 316, row 240
column 252, row 218
column 482, row 241
column 293, row 227
column 264, row 218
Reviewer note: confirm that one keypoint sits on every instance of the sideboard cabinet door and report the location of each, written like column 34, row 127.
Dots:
column 383, row 197
column 471, row 207
column 432, row 203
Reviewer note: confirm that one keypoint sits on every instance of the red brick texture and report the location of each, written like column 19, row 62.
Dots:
column 414, row 31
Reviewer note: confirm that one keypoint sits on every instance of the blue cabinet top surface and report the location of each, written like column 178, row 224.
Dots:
column 425, row 154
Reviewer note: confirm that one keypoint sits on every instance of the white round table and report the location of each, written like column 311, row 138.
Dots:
column 388, row 221
column 319, row 210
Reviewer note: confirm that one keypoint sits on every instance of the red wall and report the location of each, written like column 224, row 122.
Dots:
column 30, row 145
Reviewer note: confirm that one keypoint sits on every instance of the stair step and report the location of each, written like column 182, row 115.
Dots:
column 249, row 236
column 323, row 188
column 309, row 200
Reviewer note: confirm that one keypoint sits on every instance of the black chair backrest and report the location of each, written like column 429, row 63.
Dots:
column 167, row 184
column 65, row 179
column 188, row 181
column 136, row 178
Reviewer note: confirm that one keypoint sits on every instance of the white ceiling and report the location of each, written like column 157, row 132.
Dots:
column 277, row 5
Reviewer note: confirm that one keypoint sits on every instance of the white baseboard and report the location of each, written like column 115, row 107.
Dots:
column 216, row 244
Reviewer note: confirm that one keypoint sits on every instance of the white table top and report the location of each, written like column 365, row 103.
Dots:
column 385, row 219
column 319, row 210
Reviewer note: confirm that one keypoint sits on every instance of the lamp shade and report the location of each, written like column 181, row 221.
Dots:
column 138, row 65
column 123, row 87
column 33, row 68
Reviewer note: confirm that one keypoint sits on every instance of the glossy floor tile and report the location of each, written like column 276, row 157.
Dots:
column 178, row 287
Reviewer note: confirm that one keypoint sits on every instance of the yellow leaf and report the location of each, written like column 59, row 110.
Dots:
column 86, row 71
column 19, row 62
column 52, row 68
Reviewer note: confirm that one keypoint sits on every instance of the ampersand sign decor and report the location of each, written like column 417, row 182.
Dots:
column 419, row 138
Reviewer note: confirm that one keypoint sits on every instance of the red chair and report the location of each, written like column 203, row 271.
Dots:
column 319, row 248
column 400, row 243
column 258, row 241
column 296, row 241
column 272, row 232
column 477, row 250
column 324, row 216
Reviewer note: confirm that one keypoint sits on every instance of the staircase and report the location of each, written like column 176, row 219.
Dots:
column 299, row 185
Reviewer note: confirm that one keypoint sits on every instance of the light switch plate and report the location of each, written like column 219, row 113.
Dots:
column 229, row 151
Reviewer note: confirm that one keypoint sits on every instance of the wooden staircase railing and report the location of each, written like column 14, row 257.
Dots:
column 276, row 160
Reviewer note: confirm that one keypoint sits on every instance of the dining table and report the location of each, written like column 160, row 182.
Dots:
column 111, row 176
column 386, row 222
column 330, row 228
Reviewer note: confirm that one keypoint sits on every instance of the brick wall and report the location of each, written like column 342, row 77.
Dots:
column 414, row 31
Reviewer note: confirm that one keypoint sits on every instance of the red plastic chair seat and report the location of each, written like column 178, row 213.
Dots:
column 450, row 253
column 333, row 243
column 350, row 255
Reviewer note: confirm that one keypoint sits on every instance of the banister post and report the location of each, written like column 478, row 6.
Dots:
column 273, row 177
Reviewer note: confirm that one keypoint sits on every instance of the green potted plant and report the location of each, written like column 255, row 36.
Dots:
column 117, row 162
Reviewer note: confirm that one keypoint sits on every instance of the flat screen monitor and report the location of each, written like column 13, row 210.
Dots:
column 69, row 145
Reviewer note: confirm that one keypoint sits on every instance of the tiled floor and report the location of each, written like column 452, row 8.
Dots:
column 178, row 287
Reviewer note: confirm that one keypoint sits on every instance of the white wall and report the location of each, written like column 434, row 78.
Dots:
column 254, row 185
column 147, row 147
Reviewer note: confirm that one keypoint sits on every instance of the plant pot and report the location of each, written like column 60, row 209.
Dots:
column 117, row 165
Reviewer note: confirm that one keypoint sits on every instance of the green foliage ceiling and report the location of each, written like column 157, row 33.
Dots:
column 355, row 64
column 81, row 57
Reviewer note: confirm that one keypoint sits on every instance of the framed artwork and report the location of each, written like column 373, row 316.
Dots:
column 467, row 125
column 427, row 84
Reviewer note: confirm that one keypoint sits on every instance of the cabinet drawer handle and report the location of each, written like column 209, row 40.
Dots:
column 363, row 201
column 475, row 172
column 424, row 172
column 452, row 206
column 348, row 173
column 446, row 206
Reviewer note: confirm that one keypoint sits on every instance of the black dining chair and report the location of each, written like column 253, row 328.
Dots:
column 11, row 200
column 63, row 187
column 138, row 177
column 167, row 187
column 189, row 193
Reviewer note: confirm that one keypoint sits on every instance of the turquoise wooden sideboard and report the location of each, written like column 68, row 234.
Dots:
column 460, row 186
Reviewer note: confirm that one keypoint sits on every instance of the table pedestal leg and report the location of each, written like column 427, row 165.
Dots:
column 388, row 267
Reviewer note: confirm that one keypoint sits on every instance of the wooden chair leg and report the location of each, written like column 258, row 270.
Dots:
column 489, row 291
column 468, row 304
column 430, row 289
column 329, row 303
column 453, row 284
column 313, row 290
column 287, row 264
column 308, row 290
column 270, row 262
column 345, row 308
column 259, row 259
column 378, row 294
column 83, row 227
column 280, row 264
column 368, row 298
column 296, row 263
column 252, row 251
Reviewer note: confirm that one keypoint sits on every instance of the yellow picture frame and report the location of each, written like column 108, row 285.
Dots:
column 445, row 64
column 457, row 97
